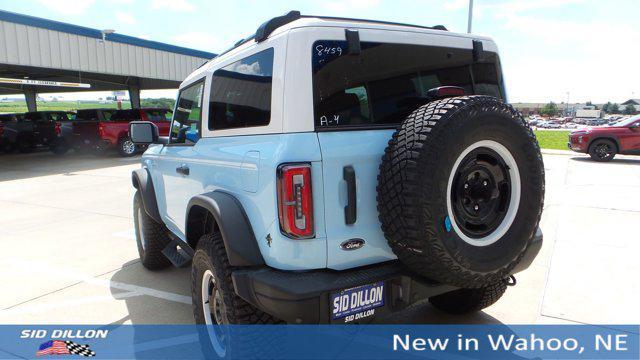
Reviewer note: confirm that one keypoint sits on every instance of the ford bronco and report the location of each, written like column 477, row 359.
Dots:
column 332, row 170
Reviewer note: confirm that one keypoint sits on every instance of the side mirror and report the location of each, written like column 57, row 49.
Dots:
column 143, row 132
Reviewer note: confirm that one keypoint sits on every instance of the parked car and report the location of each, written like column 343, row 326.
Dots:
column 47, row 129
column 105, row 129
column 16, row 133
column 603, row 143
column 275, row 190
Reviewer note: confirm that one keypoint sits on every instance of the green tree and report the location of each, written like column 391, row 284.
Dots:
column 550, row 109
column 614, row 108
column 629, row 109
column 606, row 107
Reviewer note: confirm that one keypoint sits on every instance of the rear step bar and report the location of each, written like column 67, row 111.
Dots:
column 178, row 252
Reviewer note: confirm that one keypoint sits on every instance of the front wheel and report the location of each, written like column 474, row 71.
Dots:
column 602, row 150
column 126, row 147
column 466, row 301
column 150, row 236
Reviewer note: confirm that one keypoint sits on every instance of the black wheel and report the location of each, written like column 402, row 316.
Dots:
column 151, row 237
column 126, row 147
column 215, row 301
column 59, row 146
column 603, row 150
column 460, row 190
column 466, row 301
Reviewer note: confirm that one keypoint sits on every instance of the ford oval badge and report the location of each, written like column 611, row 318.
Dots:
column 352, row 244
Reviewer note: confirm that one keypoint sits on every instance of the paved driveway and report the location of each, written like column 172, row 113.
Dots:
column 69, row 253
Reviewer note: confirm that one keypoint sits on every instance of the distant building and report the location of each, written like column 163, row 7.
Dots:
column 634, row 102
column 588, row 113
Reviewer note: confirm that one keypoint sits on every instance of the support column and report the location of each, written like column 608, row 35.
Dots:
column 30, row 98
column 134, row 96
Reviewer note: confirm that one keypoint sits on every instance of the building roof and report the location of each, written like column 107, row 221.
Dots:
column 94, row 33
column 631, row 102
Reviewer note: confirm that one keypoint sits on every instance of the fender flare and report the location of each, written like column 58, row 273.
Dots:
column 142, row 181
column 233, row 223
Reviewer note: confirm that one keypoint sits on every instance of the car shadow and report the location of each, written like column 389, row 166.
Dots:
column 41, row 162
column 615, row 161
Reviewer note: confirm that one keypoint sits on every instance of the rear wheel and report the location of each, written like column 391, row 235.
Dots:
column 465, row 301
column 59, row 146
column 126, row 147
column 151, row 237
column 216, row 303
column 603, row 150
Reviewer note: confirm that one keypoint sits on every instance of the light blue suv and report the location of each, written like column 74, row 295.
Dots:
column 339, row 170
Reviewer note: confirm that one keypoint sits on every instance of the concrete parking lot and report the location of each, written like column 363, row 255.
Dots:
column 70, row 256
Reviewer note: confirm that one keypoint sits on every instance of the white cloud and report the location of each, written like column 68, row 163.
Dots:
column 125, row 18
column 455, row 4
column 199, row 40
column 67, row 7
column 173, row 5
column 349, row 5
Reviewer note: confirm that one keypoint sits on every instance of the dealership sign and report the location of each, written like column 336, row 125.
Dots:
column 43, row 83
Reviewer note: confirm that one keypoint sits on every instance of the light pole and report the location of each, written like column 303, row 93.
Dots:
column 567, row 110
column 470, row 16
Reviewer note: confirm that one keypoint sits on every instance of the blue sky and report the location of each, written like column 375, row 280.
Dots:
column 588, row 48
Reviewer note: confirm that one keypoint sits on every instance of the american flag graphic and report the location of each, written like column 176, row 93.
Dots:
column 60, row 347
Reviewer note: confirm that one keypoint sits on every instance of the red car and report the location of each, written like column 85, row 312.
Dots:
column 103, row 129
column 603, row 143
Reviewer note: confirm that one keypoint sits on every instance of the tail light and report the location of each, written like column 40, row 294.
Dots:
column 295, row 203
column 1, row 129
column 101, row 130
column 58, row 128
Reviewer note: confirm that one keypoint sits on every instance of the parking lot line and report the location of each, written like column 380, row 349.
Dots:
column 49, row 270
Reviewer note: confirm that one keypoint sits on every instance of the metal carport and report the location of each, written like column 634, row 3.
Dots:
column 41, row 49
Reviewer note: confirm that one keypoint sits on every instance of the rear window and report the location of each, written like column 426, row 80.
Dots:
column 385, row 82
column 158, row 114
column 126, row 115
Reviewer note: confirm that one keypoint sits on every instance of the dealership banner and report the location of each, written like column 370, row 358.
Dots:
column 320, row 341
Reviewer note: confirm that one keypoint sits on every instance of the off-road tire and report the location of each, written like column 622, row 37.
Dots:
column 155, row 237
column 123, row 147
column 595, row 156
column 59, row 146
column 466, row 301
column 211, row 255
column 413, row 189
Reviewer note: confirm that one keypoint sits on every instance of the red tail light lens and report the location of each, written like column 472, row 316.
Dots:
column 1, row 129
column 295, row 202
column 58, row 128
column 101, row 130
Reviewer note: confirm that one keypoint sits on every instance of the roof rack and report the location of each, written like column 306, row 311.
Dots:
column 270, row 26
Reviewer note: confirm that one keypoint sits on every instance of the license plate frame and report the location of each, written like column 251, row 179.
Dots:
column 357, row 301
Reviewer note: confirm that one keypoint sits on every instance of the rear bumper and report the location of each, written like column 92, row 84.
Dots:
column 305, row 297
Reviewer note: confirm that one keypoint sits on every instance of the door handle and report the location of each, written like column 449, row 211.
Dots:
column 350, row 211
column 183, row 169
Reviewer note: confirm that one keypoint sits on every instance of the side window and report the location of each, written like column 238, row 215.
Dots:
column 241, row 93
column 186, row 128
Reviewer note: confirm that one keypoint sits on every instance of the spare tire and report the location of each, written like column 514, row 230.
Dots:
column 461, row 189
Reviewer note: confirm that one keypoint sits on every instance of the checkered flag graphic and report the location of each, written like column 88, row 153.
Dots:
column 77, row 349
